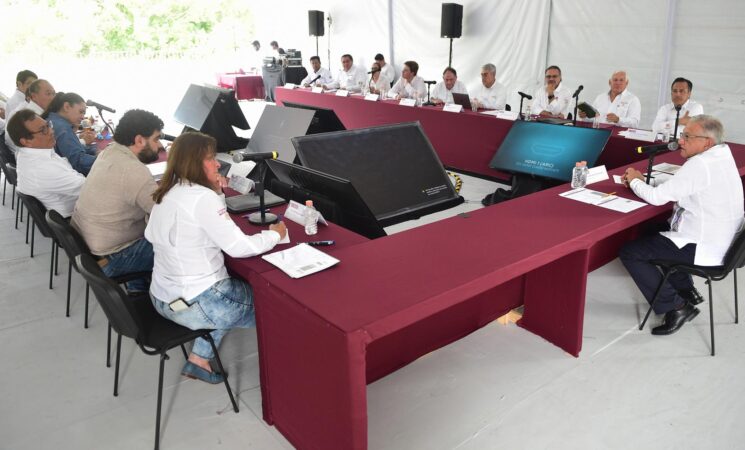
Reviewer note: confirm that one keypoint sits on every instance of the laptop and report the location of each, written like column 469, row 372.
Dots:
column 462, row 99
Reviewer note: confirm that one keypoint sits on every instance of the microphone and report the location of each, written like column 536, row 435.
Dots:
column 167, row 137
column 576, row 93
column 430, row 82
column 524, row 95
column 100, row 106
column 314, row 79
column 243, row 156
column 656, row 148
column 373, row 71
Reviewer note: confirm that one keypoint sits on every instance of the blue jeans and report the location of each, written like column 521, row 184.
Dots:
column 138, row 257
column 635, row 255
column 224, row 305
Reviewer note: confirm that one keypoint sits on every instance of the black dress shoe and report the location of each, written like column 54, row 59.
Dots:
column 675, row 319
column 692, row 296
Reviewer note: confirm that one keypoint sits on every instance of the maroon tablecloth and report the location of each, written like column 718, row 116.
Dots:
column 464, row 141
column 323, row 338
column 246, row 87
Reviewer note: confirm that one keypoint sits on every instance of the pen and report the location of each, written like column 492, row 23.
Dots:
column 609, row 194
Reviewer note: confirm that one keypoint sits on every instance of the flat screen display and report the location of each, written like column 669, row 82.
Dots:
column 393, row 167
column 276, row 127
column 324, row 121
column 548, row 150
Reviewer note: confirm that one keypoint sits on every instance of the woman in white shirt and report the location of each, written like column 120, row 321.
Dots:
column 378, row 83
column 190, row 229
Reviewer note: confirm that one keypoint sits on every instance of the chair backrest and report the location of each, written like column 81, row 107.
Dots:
column 38, row 211
column 6, row 154
column 112, row 298
column 68, row 237
column 735, row 256
column 10, row 173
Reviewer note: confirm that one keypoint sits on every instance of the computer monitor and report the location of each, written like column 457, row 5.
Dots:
column 276, row 127
column 213, row 111
column 393, row 167
column 335, row 197
column 548, row 151
column 462, row 99
column 324, row 120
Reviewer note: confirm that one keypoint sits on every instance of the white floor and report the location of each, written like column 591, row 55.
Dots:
column 499, row 388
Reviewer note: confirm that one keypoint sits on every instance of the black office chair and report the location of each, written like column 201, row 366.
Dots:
column 136, row 318
column 37, row 211
column 507, row 107
column 733, row 260
column 7, row 165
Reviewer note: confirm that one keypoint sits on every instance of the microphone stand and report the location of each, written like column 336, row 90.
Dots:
column 574, row 117
column 106, row 124
column 674, row 137
column 650, row 163
column 522, row 116
column 429, row 84
column 261, row 217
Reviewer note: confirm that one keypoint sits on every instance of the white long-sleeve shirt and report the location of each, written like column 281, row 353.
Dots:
column 559, row 105
column 22, row 105
column 325, row 74
column 709, row 203
column 349, row 80
column 47, row 176
column 13, row 103
column 189, row 230
column 665, row 119
column 404, row 89
column 494, row 97
column 626, row 106
column 442, row 93
column 389, row 72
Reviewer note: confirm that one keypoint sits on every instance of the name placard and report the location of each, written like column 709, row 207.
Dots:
column 452, row 107
column 290, row 85
column 342, row 93
column 372, row 97
column 407, row 102
column 317, row 89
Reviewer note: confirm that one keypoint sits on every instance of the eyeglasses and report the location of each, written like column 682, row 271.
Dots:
column 552, row 76
column 49, row 126
column 688, row 137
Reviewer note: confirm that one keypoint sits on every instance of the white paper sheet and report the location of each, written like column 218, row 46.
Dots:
column 300, row 260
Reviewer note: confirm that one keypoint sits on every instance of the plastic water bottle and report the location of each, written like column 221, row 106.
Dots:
column 311, row 218
column 579, row 175
column 528, row 118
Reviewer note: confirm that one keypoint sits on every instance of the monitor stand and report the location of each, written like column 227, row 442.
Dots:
column 521, row 185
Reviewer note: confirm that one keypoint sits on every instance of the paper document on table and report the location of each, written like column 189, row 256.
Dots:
column 596, row 174
column 666, row 168
column 241, row 169
column 300, row 260
column 640, row 135
column 608, row 201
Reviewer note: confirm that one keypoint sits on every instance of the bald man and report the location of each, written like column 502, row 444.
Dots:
column 618, row 106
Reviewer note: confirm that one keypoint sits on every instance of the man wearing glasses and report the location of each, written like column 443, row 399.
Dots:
column 553, row 99
column 491, row 94
column 708, row 212
column 41, row 172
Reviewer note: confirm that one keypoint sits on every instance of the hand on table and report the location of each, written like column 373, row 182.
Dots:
column 280, row 228
column 629, row 175
column 612, row 118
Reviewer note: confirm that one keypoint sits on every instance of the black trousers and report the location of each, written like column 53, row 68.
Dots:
column 635, row 255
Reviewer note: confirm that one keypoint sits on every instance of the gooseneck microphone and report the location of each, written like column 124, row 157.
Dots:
column 671, row 146
column 674, row 137
column 525, row 96
column 314, row 79
column 576, row 93
column 100, row 106
column 243, row 156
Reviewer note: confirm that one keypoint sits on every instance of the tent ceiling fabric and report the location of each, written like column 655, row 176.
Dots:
column 588, row 40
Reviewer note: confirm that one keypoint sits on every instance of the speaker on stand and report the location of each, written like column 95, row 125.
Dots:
column 315, row 25
column 451, row 25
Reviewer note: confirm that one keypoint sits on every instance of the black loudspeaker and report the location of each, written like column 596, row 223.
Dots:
column 315, row 23
column 452, row 20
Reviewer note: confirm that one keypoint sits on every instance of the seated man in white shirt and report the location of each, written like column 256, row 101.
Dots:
column 386, row 69
column 350, row 77
column 40, row 95
column 491, row 94
column 24, row 79
column 708, row 212
column 443, row 91
column 618, row 106
column 41, row 172
column 409, row 85
column 681, row 100
column 553, row 99
column 318, row 76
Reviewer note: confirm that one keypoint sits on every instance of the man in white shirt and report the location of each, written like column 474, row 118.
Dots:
column 386, row 69
column 681, row 99
column 350, row 77
column 708, row 212
column 618, row 106
column 553, row 99
column 443, row 91
column 41, row 172
column 23, row 81
column 40, row 95
column 319, row 75
column 491, row 94
column 409, row 85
